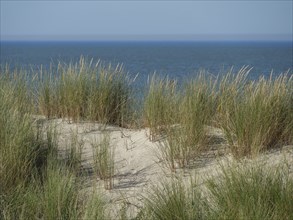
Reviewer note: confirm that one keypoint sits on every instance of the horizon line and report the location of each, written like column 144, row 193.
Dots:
column 150, row 37
column 146, row 41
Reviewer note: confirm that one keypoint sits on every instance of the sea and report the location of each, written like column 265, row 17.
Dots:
column 177, row 60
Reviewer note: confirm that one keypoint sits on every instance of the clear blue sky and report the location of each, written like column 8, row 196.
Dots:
column 146, row 20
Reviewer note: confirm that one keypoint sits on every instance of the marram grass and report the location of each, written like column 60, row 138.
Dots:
column 256, row 115
column 251, row 191
column 160, row 106
column 104, row 164
column 186, row 137
column 84, row 91
column 241, row 191
column 34, row 182
column 20, row 146
column 173, row 200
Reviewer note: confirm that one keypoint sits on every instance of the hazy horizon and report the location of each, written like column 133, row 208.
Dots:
column 146, row 21
column 149, row 38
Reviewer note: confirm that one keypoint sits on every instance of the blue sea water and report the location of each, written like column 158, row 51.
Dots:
column 178, row 60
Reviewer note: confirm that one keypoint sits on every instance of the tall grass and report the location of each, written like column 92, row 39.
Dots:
column 59, row 194
column 95, row 207
column 252, row 191
column 241, row 191
column 161, row 106
column 20, row 147
column 34, row 183
column 196, row 109
column 73, row 154
column 103, row 154
column 255, row 115
column 84, row 91
column 173, row 200
column 23, row 148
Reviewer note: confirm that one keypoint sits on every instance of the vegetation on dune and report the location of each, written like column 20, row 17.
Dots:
column 160, row 106
column 84, row 91
column 173, row 200
column 241, row 191
column 254, row 116
column 103, row 154
column 252, row 191
column 34, row 182
column 21, row 147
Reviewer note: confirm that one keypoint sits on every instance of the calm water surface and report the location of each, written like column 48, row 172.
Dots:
column 176, row 59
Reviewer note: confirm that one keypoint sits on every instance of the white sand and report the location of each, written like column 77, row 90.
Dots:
column 137, row 163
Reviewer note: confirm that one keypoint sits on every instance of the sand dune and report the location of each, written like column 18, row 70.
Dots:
column 138, row 164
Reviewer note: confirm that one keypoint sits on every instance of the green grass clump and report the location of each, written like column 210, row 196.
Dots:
column 160, row 106
column 34, row 182
column 110, row 100
column 198, row 109
column 24, row 148
column 84, row 91
column 173, row 200
column 103, row 154
column 255, row 115
column 21, row 148
column 252, row 192
column 241, row 191
column 60, row 196
column 188, row 138
column 95, row 207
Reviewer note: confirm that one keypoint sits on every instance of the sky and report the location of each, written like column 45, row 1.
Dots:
column 146, row 20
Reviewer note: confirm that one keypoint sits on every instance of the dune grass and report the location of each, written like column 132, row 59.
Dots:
column 95, row 207
column 255, row 116
column 58, row 194
column 21, row 148
column 73, row 153
column 241, row 191
column 173, row 200
column 186, row 137
column 34, row 182
column 84, row 91
column 160, row 106
column 104, row 164
column 252, row 191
